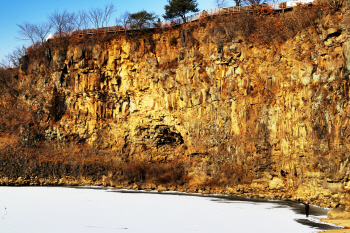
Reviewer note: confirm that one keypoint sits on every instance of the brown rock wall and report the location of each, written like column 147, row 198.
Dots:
column 270, row 121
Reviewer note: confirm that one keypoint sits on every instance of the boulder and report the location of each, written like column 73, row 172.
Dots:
column 276, row 183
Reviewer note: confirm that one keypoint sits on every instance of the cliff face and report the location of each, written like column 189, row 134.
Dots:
column 262, row 120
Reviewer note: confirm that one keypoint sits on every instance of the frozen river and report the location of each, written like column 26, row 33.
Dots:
column 75, row 210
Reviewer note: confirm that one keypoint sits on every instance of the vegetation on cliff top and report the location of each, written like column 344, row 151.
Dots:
column 262, row 26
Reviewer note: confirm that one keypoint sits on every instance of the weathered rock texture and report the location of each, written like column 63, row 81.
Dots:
column 247, row 119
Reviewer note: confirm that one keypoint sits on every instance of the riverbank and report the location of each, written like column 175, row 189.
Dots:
column 339, row 222
column 339, row 217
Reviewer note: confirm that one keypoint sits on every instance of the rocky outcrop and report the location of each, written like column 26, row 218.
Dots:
column 258, row 120
column 338, row 213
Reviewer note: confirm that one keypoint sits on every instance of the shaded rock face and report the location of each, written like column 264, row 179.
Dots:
column 23, row 62
column 278, row 116
column 160, row 135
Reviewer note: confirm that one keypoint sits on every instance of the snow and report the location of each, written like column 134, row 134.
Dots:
column 50, row 36
column 74, row 210
column 296, row 2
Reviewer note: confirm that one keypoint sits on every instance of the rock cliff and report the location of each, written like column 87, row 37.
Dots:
column 218, row 113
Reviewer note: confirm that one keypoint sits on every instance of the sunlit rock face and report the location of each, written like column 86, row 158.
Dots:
column 277, row 115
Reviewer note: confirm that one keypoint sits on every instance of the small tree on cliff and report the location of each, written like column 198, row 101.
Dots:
column 179, row 8
column 141, row 20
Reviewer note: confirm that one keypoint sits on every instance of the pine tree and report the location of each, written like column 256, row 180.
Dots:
column 141, row 19
column 179, row 8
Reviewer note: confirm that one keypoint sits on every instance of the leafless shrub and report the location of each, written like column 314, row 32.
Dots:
column 246, row 23
column 158, row 173
column 298, row 19
column 265, row 27
column 12, row 59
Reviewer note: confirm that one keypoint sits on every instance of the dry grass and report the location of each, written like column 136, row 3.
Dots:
column 7, row 140
column 159, row 173
column 263, row 25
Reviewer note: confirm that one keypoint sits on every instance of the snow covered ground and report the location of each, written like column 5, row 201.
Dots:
column 75, row 210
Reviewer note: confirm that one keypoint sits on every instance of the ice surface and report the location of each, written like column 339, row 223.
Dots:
column 74, row 210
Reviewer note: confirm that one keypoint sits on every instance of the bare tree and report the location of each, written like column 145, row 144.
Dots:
column 238, row 2
column 62, row 22
column 108, row 11
column 82, row 20
column 27, row 32
column 96, row 16
column 100, row 17
column 34, row 32
column 221, row 3
column 42, row 30
column 254, row 2
column 123, row 20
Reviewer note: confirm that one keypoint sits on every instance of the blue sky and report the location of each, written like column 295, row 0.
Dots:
column 13, row 12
